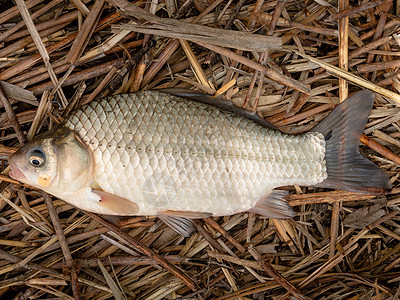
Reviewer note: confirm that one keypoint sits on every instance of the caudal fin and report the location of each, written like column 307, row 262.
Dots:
column 347, row 168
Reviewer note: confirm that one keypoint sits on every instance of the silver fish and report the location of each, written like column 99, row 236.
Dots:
column 155, row 153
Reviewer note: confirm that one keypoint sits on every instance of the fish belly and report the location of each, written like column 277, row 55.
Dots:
column 168, row 153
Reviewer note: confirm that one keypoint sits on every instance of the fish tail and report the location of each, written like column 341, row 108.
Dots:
column 347, row 169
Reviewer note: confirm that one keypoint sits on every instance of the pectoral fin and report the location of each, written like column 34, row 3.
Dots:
column 274, row 206
column 116, row 205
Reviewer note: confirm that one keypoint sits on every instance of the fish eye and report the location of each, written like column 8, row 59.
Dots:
column 36, row 158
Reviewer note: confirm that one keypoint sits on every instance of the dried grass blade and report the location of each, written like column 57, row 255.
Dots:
column 282, row 229
column 117, row 293
column 198, row 70
column 202, row 34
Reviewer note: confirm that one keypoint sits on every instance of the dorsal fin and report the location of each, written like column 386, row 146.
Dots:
column 219, row 103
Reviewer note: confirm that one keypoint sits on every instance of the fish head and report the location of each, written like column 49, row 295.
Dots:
column 58, row 162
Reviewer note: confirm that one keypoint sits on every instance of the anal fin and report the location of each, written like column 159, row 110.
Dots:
column 274, row 206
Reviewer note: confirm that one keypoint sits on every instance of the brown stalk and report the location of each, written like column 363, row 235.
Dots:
column 343, row 23
column 171, row 47
column 326, row 197
column 14, row 259
column 380, row 149
column 297, row 106
column 199, row 227
column 313, row 29
column 198, row 70
column 81, row 7
column 347, row 12
column 42, row 109
column 307, row 19
column 208, row 9
column 152, row 71
column 381, row 260
column 7, row 151
column 334, row 227
column 203, row 34
column 39, row 74
column 76, row 238
column 224, row 233
column 130, row 260
column 138, row 75
column 301, row 26
column 102, row 84
column 86, row 31
column 303, row 115
column 351, row 77
column 280, row 5
column 76, row 98
column 388, row 25
column 370, row 46
column 264, row 56
column 5, row 178
column 373, row 67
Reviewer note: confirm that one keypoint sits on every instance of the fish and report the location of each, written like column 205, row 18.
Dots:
column 180, row 155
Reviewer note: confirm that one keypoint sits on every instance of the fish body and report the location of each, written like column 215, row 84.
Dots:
column 162, row 154
column 165, row 153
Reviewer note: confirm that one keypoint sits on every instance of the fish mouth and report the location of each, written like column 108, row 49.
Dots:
column 15, row 172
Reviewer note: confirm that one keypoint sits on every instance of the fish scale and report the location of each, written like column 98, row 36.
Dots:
column 166, row 153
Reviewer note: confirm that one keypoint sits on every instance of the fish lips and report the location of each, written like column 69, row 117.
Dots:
column 15, row 172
